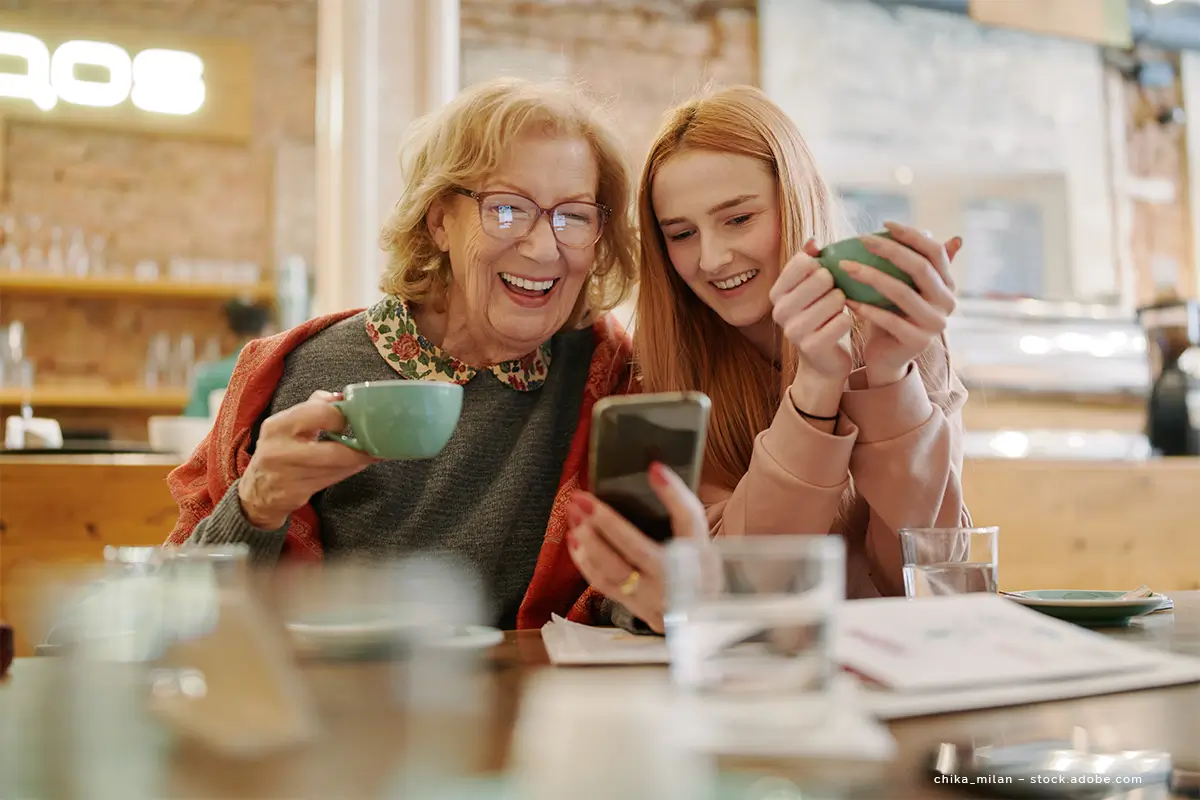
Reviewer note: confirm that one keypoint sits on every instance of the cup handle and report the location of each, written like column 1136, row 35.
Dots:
column 342, row 438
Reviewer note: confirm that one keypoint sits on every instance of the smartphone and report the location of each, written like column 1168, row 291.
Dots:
column 631, row 432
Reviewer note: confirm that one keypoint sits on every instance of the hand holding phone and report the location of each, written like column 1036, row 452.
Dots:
column 631, row 432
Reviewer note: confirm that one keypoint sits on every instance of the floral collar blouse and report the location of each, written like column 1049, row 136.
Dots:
column 414, row 357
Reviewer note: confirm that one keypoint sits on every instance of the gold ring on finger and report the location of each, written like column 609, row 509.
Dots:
column 630, row 584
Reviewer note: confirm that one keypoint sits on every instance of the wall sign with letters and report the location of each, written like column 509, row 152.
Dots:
column 103, row 76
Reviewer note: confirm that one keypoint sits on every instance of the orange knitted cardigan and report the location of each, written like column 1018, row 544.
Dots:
column 198, row 485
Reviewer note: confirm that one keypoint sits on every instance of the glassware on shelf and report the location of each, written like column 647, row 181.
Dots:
column 158, row 362
column 10, row 253
column 16, row 371
column 78, row 258
column 183, row 363
column 98, row 261
column 179, row 269
column 56, row 254
column 248, row 272
column 146, row 270
column 34, row 258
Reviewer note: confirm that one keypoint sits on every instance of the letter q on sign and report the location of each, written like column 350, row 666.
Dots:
column 155, row 80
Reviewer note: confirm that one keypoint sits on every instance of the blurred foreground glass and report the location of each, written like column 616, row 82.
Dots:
column 754, row 614
column 940, row 561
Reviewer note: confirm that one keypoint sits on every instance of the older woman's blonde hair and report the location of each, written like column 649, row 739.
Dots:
column 465, row 142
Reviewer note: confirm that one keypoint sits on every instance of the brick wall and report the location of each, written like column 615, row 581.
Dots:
column 644, row 55
column 159, row 197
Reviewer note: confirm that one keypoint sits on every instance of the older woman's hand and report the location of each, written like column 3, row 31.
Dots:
column 894, row 340
column 291, row 463
column 622, row 562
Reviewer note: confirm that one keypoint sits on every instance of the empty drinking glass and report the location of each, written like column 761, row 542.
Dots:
column 754, row 614
column 941, row 561
column 158, row 362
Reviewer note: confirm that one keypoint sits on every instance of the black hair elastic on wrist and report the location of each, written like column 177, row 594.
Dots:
column 806, row 415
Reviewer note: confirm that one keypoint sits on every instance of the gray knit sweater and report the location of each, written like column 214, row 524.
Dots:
column 485, row 499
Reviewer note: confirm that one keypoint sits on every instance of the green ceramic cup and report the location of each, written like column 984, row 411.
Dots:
column 854, row 250
column 402, row 420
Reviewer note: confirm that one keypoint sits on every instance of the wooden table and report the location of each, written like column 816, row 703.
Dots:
column 369, row 738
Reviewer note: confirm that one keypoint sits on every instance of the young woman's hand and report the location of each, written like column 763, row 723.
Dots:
column 619, row 560
column 893, row 340
column 812, row 314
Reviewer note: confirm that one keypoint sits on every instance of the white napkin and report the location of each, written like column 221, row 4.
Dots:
column 570, row 643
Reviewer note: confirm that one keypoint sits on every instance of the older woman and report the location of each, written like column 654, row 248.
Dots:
column 510, row 243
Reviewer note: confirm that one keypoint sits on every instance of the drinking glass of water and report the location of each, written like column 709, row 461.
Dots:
column 752, row 615
column 941, row 561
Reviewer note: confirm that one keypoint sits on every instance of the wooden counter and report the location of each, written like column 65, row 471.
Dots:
column 1090, row 524
column 60, row 510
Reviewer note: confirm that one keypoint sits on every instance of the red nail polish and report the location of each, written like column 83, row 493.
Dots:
column 658, row 475
column 574, row 515
column 584, row 504
column 572, row 542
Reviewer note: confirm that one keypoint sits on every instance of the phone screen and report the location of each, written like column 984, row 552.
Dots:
column 632, row 434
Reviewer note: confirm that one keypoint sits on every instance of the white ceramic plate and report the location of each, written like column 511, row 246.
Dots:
column 1071, row 598
column 332, row 636
column 1090, row 608
column 472, row 637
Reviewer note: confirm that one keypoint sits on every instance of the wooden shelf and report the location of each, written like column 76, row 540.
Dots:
column 126, row 397
column 128, row 287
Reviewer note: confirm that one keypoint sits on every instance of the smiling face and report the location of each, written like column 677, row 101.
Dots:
column 719, row 216
column 508, row 296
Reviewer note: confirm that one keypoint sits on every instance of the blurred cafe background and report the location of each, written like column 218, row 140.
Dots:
column 251, row 168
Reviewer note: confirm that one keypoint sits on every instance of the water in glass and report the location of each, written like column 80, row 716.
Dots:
column 931, row 580
column 754, row 614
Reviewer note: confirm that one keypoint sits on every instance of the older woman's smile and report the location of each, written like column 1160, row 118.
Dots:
column 527, row 291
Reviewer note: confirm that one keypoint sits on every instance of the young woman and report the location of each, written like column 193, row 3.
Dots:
column 829, row 417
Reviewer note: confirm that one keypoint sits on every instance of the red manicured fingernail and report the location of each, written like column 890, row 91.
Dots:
column 574, row 515
column 584, row 504
column 658, row 475
column 572, row 542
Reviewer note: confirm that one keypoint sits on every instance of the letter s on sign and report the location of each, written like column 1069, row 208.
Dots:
column 168, row 81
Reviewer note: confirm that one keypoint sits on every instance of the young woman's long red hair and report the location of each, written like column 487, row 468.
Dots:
column 679, row 342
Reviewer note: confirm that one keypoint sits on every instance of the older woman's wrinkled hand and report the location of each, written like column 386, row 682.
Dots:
column 894, row 340
column 291, row 462
column 622, row 562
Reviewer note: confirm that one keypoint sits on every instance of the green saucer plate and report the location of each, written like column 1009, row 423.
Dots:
column 1093, row 609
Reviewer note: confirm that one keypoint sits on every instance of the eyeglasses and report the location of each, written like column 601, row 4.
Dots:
column 509, row 216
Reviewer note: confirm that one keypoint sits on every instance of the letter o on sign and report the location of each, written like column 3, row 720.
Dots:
column 91, row 93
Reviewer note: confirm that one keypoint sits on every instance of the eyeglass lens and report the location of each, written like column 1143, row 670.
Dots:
column 508, row 216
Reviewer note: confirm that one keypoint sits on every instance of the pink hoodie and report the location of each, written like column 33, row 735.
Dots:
column 899, row 447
